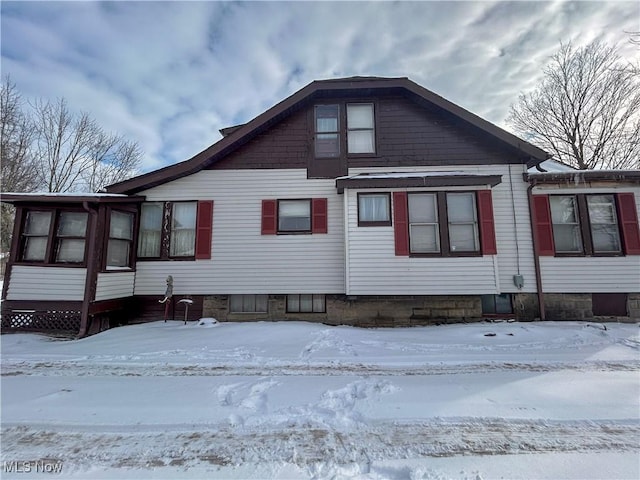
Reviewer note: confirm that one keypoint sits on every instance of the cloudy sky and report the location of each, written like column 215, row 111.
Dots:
column 170, row 74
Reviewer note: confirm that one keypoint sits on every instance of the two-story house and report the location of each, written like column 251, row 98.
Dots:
column 365, row 201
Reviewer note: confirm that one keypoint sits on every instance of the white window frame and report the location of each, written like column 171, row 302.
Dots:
column 357, row 130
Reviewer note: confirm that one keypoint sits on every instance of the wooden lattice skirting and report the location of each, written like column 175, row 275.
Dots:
column 41, row 320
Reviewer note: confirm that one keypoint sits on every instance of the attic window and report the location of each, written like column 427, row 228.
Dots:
column 360, row 128
column 327, row 128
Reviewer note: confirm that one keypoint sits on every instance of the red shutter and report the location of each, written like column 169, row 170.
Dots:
column 487, row 228
column 269, row 217
column 204, row 226
column 319, row 215
column 401, row 223
column 628, row 218
column 543, row 226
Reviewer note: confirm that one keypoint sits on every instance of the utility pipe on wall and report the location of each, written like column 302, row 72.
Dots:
column 536, row 257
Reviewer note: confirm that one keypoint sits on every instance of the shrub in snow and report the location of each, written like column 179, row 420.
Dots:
column 207, row 322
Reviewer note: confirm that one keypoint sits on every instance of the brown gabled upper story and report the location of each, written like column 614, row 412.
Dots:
column 330, row 126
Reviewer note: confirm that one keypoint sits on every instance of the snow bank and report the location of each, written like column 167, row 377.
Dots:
column 298, row 400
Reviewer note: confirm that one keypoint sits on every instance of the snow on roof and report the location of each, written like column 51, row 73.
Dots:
column 407, row 175
column 552, row 166
column 63, row 194
column 66, row 197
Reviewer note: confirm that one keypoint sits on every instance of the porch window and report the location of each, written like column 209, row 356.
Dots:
column 120, row 239
column 327, row 131
column 36, row 236
column 71, row 237
column 360, row 128
column 150, row 236
column 373, row 209
column 183, row 229
column 294, row 216
column 306, row 303
column 248, row 303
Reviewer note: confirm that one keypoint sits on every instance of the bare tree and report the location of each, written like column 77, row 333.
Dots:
column 18, row 172
column 114, row 159
column 586, row 110
column 75, row 153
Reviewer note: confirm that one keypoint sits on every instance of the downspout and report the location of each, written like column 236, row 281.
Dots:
column 92, row 272
column 536, row 257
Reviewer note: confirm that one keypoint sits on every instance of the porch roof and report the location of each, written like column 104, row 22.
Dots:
column 581, row 177
column 416, row 179
column 66, row 198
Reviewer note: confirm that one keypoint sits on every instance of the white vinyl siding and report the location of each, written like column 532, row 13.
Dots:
column 46, row 283
column 243, row 260
column 374, row 269
column 607, row 274
column 590, row 274
column 115, row 285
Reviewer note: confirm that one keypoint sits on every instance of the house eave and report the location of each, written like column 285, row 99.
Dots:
column 416, row 179
column 61, row 198
column 581, row 177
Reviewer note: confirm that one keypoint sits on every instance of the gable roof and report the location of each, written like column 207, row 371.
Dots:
column 241, row 134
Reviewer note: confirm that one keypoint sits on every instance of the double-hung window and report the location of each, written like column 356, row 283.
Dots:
column 36, row 236
column 176, row 230
column 294, row 216
column 566, row 224
column 150, row 236
column 586, row 224
column 327, row 131
column 183, row 229
column 358, row 132
column 360, row 128
column 442, row 223
column 605, row 234
column 424, row 228
column 463, row 222
column 71, row 237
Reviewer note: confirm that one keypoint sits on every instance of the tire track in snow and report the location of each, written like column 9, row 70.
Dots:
column 310, row 445
column 76, row 368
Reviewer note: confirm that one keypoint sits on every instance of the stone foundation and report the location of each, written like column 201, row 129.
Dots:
column 378, row 311
column 579, row 306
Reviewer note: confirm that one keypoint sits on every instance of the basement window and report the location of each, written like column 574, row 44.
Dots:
column 306, row 303
column 248, row 303
column 496, row 304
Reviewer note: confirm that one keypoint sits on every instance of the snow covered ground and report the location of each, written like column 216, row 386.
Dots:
column 296, row 400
